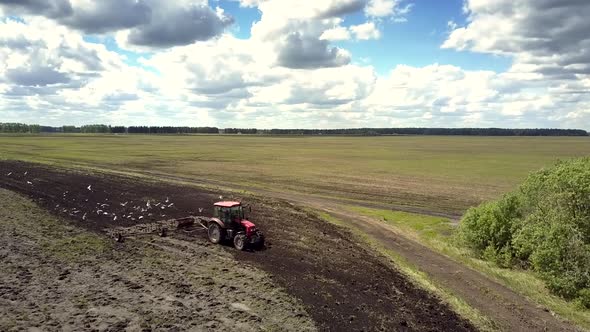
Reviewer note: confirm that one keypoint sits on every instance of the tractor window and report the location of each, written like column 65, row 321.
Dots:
column 225, row 216
column 237, row 213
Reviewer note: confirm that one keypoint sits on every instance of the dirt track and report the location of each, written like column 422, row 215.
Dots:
column 341, row 285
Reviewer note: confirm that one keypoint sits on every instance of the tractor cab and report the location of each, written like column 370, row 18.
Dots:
column 229, row 223
column 230, row 213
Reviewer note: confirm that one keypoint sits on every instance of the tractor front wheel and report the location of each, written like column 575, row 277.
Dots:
column 215, row 233
column 240, row 241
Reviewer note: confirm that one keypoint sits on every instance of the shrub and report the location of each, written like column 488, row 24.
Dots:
column 544, row 226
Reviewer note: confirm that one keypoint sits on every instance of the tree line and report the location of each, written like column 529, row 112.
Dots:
column 105, row 129
column 171, row 130
column 19, row 128
column 429, row 131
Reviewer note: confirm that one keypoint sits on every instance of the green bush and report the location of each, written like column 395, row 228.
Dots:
column 544, row 225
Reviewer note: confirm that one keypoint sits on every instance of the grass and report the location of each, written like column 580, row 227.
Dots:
column 437, row 233
column 446, row 174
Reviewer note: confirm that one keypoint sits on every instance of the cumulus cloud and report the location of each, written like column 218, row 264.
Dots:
column 335, row 34
column 549, row 37
column 365, row 31
column 298, row 51
column 36, row 76
column 388, row 8
column 172, row 25
column 152, row 23
column 288, row 73
column 49, row 8
column 107, row 15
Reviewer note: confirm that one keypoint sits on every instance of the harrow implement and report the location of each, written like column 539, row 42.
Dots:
column 161, row 227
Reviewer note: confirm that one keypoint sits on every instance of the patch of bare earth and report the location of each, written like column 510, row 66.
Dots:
column 340, row 284
column 56, row 277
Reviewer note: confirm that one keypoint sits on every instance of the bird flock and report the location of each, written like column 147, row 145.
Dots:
column 132, row 210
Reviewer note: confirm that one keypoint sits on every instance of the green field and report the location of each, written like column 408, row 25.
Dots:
column 434, row 173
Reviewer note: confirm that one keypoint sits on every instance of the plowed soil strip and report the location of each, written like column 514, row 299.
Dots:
column 343, row 286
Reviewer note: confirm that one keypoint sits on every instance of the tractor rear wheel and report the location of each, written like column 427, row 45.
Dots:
column 240, row 241
column 216, row 233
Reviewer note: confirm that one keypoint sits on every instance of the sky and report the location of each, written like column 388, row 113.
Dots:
column 296, row 63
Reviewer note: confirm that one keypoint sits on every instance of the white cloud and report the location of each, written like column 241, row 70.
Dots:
column 380, row 8
column 388, row 8
column 289, row 74
column 549, row 37
column 152, row 23
column 335, row 34
column 365, row 31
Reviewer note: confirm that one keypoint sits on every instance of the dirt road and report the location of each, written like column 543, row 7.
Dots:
column 507, row 309
column 341, row 285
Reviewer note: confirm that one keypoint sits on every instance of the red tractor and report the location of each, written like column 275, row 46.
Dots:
column 229, row 224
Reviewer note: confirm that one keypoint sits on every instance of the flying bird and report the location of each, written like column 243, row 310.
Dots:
column 220, row 197
column 9, row 174
column 89, row 187
column 29, row 182
column 167, row 200
column 84, row 216
column 124, row 204
column 26, row 173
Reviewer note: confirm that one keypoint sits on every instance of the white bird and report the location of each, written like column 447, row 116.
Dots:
column 9, row 174
column 220, row 197
column 89, row 187
column 148, row 205
column 26, row 173
column 114, row 219
column 167, row 200
column 124, row 204
column 140, row 217
column 98, row 211
column 163, row 207
column 200, row 210
column 29, row 182
column 84, row 216
column 103, row 205
column 169, row 205
column 158, row 204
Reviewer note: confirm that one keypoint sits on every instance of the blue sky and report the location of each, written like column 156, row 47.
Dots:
column 292, row 63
